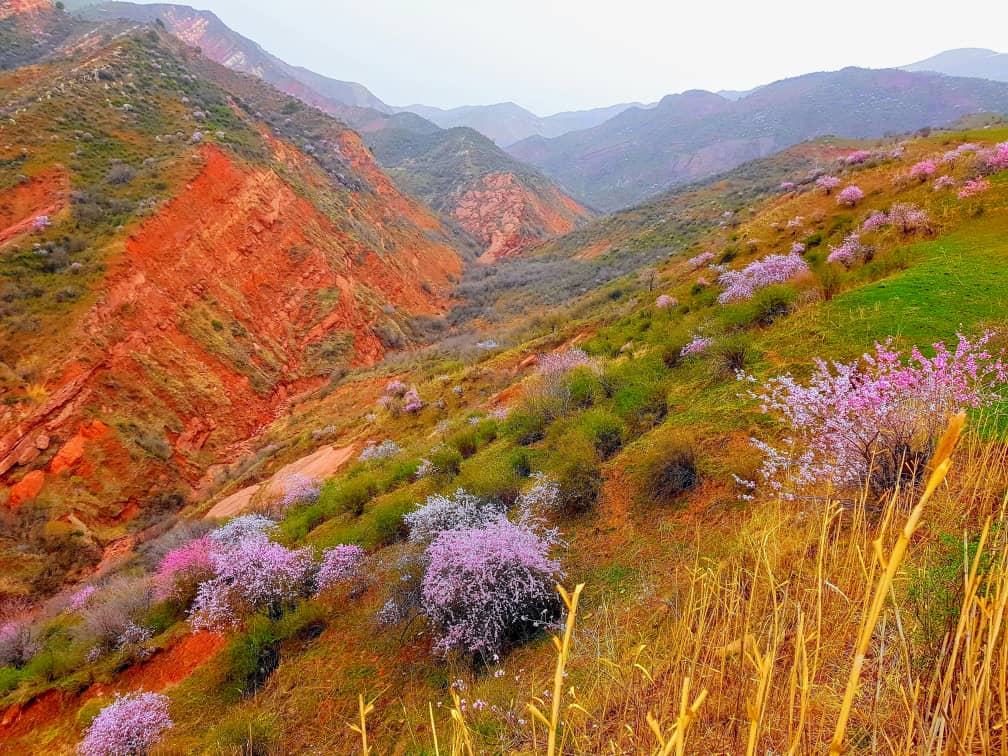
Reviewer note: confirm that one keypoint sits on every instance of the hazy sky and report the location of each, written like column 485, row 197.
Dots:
column 552, row 55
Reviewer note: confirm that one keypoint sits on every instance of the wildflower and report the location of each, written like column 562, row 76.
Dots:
column 698, row 345
column 827, row 183
column 664, row 301
column 129, row 726
column 850, row 196
column 740, row 285
column 343, row 564
column 974, row 187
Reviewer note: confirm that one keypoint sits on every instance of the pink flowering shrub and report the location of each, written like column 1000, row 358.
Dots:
column 797, row 248
column 386, row 449
column 973, row 187
column 740, row 285
column 255, row 574
column 129, row 726
column 234, row 531
column 873, row 421
column 298, row 490
column 399, row 397
column 343, row 565
column 558, row 364
column 857, row 157
column 787, row 186
column 80, row 598
column 542, row 497
column 182, row 570
column 875, row 221
column 827, row 183
column 700, row 260
column 412, row 402
column 664, row 301
column 851, row 252
column 850, row 196
column 18, row 644
column 458, row 511
column 943, row 182
column 698, row 345
column 908, row 218
column 923, row 170
column 488, row 588
column 994, row 160
column 41, row 223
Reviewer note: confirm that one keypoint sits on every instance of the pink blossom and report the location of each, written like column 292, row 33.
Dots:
column 299, row 489
column 857, row 157
column 740, row 285
column 797, row 248
column 850, row 252
column 698, row 345
column 700, row 260
column 908, row 218
column 251, row 575
column 412, row 402
column 850, row 196
column 875, row 221
column 827, row 183
column 664, row 301
column 41, row 222
column 81, row 598
column 489, row 587
column 556, row 364
column 995, row 160
column 342, row 565
column 923, row 170
column 974, row 187
column 869, row 420
column 129, row 726
column 943, row 182
column 184, row 568
column 787, row 186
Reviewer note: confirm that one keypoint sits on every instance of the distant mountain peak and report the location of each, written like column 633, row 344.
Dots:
column 974, row 62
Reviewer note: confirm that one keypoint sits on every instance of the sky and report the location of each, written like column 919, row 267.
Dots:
column 555, row 55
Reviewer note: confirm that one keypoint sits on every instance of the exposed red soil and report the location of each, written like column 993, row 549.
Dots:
column 45, row 194
column 164, row 669
column 508, row 216
column 10, row 8
column 241, row 244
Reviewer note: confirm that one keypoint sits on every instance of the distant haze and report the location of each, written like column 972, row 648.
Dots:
column 556, row 55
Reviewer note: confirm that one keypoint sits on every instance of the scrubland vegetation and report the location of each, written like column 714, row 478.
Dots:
column 740, row 452
column 776, row 554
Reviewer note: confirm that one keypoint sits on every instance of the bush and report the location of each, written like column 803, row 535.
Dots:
column 446, row 460
column 604, row 430
column 349, row 495
column 490, row 476
column 766, row 306
column 251, row 658
column 732, row 353
column 525, row 427
column 120, row 606
column 670, row 469
column 575, row 469
column 584, row 387
column 466, row 441
column 488, row 588
column 461, row 510
column 130, row 725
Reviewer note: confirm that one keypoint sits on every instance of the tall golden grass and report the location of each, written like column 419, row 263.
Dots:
column 803, row 641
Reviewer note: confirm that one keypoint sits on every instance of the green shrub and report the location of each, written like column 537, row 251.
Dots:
column 584, row 387
column 732, row 353
column 446, row 460
column 766, row 306
column 251, row 658
column 387, row 525
column 604, row 430
column 305, row 622
column 10, row 679
column 575, row 467
column 465, row 440
column 349, row 494
column 830, row 279
column 670, row 468
column 491, row 476
column 520, row 461
column 525, row 427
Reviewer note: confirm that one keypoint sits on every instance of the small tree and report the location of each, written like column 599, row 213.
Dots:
column 129, row 726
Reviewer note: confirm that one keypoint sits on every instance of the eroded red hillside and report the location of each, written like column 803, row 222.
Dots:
column 211, row 318
column 507, row 216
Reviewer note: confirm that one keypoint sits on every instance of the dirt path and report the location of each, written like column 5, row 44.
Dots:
column 320, row 464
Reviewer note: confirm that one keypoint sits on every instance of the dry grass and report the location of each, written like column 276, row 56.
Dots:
column 803, row 641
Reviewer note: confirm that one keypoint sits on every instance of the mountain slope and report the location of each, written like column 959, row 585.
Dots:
column 221, row 43
column 968, row 61
column 181, row 253
column 506, row 206
column 506, row 123
column 696, row 134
